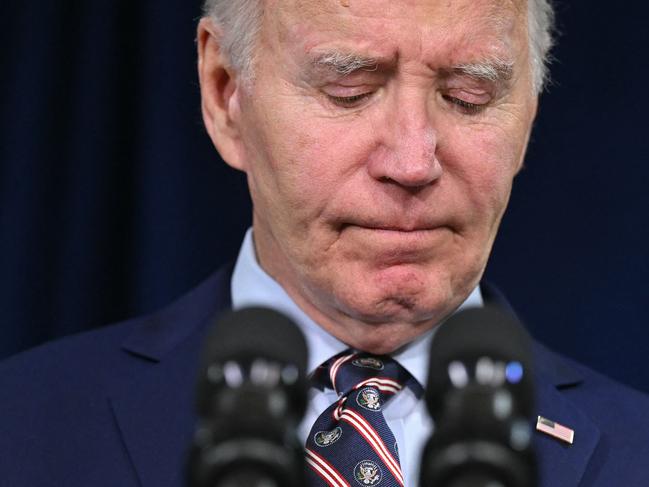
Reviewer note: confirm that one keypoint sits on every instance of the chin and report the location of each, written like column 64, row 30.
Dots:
column 413, row 300
column 381, row 323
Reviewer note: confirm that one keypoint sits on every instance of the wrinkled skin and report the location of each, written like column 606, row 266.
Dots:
column 377, row 194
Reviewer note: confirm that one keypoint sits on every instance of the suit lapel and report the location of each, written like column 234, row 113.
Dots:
column 154, row 414
column 560, row 464
column 154, row 409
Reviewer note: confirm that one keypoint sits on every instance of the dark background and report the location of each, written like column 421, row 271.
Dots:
column 113, row 201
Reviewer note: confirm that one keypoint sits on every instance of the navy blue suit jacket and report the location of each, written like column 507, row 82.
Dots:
column 114, row 407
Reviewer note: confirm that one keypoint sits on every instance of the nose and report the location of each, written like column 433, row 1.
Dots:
column 407, row 154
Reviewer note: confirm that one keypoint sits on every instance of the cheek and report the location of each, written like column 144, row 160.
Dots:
column 482, row 161
column 313, row 160
column 289, row 174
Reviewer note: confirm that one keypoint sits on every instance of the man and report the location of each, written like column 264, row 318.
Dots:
column 380, row 139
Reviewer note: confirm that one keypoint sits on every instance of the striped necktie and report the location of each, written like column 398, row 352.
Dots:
column 350, row 443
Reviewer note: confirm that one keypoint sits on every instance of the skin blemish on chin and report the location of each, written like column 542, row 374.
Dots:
column 344, row 3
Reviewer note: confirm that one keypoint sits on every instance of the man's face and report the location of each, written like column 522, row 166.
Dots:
column 380, row 139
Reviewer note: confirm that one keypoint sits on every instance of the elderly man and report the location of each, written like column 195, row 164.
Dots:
column 380, row 139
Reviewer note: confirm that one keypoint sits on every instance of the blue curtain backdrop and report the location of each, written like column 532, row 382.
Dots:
column 113, row 201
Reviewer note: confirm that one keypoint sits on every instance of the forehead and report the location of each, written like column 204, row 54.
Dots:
column 421, row 28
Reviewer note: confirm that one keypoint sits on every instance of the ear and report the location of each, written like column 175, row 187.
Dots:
column 220, row 93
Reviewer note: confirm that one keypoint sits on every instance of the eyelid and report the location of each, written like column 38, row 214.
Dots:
column 349, row 101
column 342, row 90
column 348, row 96
column 466, row 106
column 472, row 96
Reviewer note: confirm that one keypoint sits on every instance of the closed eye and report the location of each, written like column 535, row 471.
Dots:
column 467, row 107
column 350, row 101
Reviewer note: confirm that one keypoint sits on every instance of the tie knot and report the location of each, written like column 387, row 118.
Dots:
column 354, row 370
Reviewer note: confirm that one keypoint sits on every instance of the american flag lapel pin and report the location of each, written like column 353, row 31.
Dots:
column 555, row 430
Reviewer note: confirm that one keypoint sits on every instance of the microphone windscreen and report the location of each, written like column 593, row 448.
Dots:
column 256, row 332
column 250, row 397
column 246, row 339
column 476, row 333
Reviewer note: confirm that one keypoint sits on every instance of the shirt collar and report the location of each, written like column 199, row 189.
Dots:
column 252, row 286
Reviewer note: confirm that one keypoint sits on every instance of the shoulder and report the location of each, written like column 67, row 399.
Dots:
column 54, row 412
column 598, row 394
column 609, row 419
column 619, row 410
column 601, row 396
column 57, row 403
column 63, row 365
column 94, row 354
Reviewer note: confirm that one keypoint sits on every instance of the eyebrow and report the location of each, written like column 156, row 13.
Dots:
column 345, row 63
column 495, row 70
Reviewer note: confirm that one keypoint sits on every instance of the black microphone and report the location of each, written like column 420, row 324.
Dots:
column 480, row 396
column 251, row 396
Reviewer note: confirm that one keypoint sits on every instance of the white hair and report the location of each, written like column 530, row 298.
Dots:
column 240, row 22
column 541, row 30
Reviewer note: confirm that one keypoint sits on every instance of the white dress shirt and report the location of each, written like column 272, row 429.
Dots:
column 406, row 416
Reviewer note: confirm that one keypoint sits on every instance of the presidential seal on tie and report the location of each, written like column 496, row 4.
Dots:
column 369, row 398
column 367, row 473
column 368, row 363
column 327, row 438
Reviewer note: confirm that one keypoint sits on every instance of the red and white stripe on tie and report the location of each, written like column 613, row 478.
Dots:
column 381, row 383
column 339, row 409
column 372, row 437
column 333, row 370
column 325, row 470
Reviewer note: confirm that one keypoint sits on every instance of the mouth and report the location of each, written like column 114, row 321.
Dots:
column 395, row 228
column 396, row 238
column 388, row 246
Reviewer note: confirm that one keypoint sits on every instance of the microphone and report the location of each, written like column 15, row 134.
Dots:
column 251, row 396
column 480, row 396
